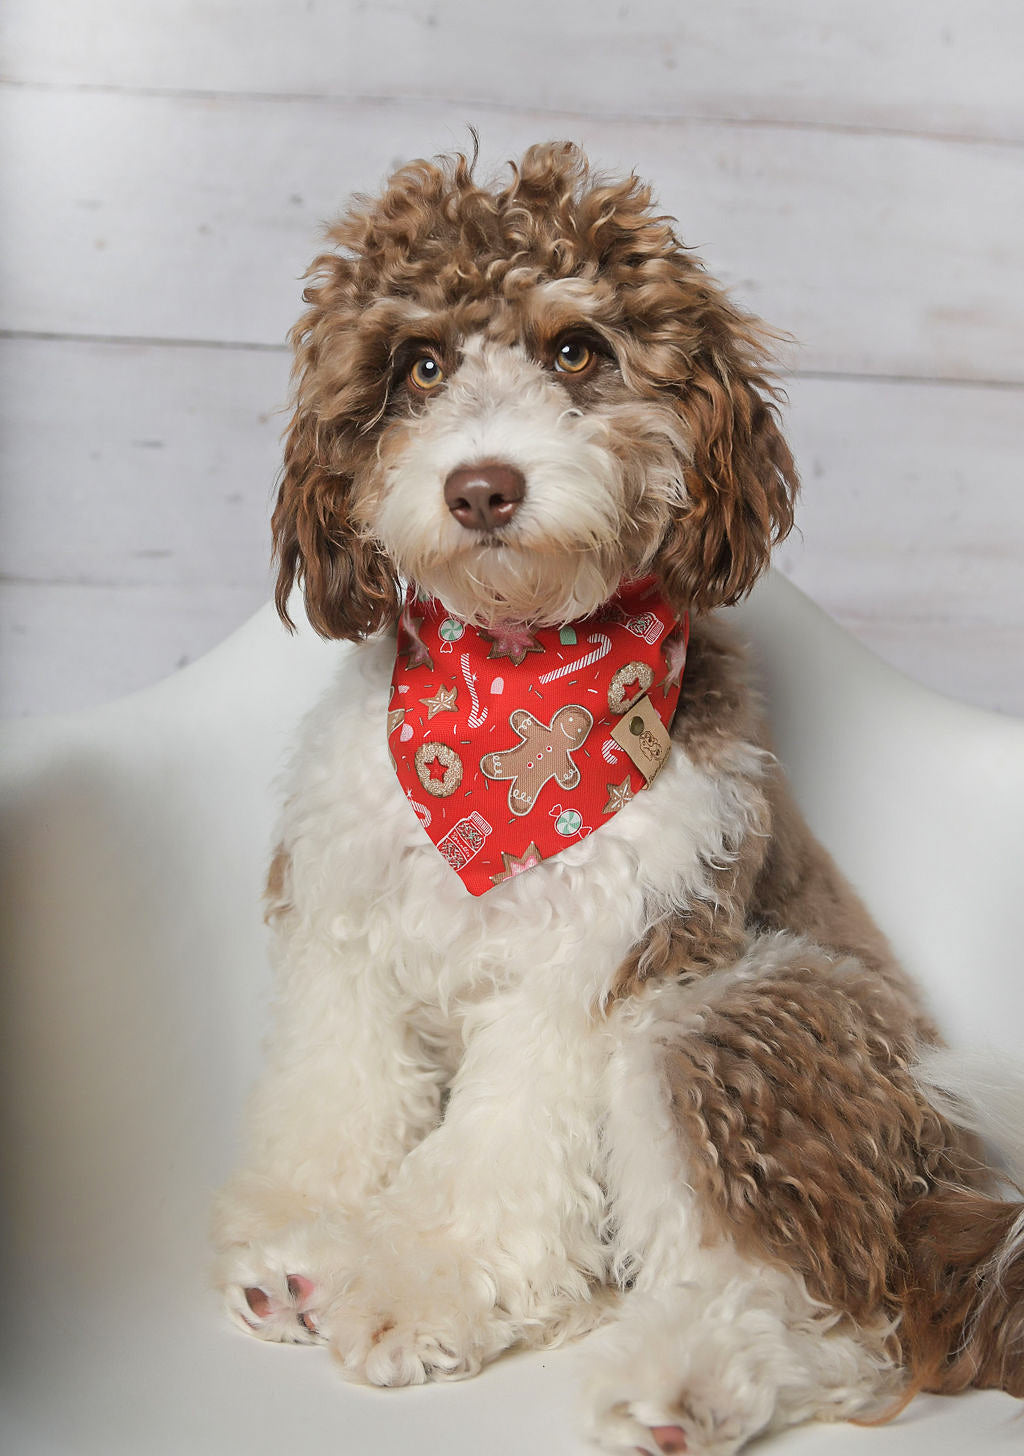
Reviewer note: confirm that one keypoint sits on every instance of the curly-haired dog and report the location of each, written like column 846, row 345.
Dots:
column 568, row 1035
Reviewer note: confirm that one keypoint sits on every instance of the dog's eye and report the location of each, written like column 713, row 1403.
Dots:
column 426, row 374
column 573, row 357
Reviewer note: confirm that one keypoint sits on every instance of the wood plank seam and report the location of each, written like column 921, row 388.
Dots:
column 490, row 104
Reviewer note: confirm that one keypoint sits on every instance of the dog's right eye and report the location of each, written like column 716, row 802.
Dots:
column 574, row 357
column 426, row 374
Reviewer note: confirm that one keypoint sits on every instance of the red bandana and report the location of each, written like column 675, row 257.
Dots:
column 503, row 740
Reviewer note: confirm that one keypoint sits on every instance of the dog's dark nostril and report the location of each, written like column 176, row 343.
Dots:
column 482, row 497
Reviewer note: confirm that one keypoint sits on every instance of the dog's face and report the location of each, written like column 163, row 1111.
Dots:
column 517, row 397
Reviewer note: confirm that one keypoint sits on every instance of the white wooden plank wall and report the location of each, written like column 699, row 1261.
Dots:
column 856, row 173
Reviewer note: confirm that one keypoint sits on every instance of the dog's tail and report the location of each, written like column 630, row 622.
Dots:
column 962, row 1321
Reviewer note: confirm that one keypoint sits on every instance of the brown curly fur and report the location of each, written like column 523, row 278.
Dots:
column 962, row 1318
column 799, row 1119
column 439, row 256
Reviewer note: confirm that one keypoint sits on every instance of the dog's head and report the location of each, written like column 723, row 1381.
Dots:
column 516, row 397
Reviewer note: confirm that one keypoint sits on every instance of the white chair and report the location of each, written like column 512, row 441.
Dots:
column 136, row 990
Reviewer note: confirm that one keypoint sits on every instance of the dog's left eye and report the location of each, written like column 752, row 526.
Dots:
column 573, row 357
column 426, row 374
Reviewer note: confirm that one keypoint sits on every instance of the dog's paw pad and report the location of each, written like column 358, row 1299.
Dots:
column 300, row 1290
column 287, row 1313
column 652, row 1428
column 259, row 1302
column 669, row 1439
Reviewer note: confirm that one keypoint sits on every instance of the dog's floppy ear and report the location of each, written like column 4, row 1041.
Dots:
column 348, row 582
column 740, row 478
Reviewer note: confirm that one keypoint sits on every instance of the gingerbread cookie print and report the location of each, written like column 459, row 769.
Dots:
column 545, row 752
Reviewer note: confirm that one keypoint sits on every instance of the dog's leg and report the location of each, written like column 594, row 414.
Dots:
column 710, row 1349
column 347, row 1090
column 490, row 1233
column 706, row 1366
column 763, row 1130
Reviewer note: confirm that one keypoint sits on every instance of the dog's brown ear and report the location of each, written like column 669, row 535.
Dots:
column 349, row 583
column 740, row 478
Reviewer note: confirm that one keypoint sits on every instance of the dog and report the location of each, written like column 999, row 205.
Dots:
column 577, row 1024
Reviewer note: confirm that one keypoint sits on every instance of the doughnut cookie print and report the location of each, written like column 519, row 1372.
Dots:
column 438, row 768
column 506, row 731
column 628, row 685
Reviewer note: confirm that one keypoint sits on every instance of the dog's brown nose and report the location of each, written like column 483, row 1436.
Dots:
column 482, row 497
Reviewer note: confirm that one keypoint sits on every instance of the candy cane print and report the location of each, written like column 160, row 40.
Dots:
column 609, row 751
column 423, row 814
column 604, row 645
column 476, row 717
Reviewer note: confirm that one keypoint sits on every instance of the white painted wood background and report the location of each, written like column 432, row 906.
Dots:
column 854, row 172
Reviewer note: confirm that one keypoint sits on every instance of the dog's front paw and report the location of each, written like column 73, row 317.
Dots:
column 282, row 1287
column 390, row 1349
column 283, row 1307
column 407, row 1321
column 706, row 1369
column 643, row 1427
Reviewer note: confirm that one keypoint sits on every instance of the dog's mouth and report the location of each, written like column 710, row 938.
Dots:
column 495, row 577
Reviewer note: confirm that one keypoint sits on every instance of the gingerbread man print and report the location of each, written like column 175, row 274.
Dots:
column 544, row 753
